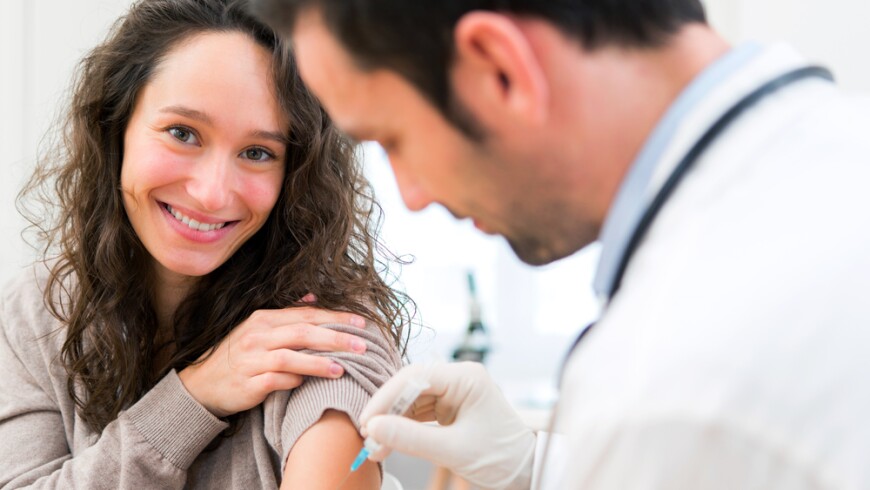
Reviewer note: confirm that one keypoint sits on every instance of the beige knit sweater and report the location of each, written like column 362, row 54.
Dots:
column 159, row 441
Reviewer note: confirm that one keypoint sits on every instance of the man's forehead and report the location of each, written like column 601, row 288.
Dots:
column 314, row 46
column 324, row 65
column 346, row 92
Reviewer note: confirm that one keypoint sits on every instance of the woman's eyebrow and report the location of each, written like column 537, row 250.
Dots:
column 272, row 135
column 205, row 118
column 187, row 112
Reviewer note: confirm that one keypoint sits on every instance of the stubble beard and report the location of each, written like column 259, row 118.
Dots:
column 548, row 240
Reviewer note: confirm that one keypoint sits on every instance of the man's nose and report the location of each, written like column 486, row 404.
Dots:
column 210, row 182
column 414, row 196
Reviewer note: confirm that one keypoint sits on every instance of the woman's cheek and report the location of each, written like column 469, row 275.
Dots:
column 262, row 191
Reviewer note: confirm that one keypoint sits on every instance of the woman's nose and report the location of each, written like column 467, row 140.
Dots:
column 210, row 183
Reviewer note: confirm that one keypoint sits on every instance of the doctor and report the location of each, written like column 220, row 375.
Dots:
column 728, row 186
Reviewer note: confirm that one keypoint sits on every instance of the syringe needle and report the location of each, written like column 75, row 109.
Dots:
column 399, row 406
column 344, row 480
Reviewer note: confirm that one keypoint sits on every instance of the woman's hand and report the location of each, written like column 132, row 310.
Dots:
column 260, row 356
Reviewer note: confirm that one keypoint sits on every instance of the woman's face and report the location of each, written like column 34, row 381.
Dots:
column 204, row 152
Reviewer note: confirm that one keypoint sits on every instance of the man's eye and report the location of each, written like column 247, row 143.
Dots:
column 182, row 134
column 389, row 145
column 257, row 154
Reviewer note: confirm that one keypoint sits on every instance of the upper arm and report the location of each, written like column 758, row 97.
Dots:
column 314, row 427
column 322, row 456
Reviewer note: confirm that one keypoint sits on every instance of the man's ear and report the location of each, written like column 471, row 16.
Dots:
column 496, row 70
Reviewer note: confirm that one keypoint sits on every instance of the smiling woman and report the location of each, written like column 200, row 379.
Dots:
column 208, row 247
column 202, row 171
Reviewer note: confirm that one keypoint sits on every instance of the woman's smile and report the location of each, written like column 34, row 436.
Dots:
column 199, row 229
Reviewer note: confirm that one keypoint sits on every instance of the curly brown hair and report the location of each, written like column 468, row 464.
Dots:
column 320, row 237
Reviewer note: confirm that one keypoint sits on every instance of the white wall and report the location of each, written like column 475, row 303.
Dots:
column 832, row 32
column 40, row 42
column 12, row 132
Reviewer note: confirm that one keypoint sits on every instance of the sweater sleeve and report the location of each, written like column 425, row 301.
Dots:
column 45, row 445
column 289, row 413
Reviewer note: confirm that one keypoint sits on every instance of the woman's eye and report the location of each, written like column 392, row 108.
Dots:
column 257, row 154
column 182, row 134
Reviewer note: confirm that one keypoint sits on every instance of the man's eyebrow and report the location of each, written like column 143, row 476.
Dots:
column 203, row 117
column 353, row 139
column 355, row 135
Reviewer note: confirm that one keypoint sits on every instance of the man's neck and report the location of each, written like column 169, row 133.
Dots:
column 627, row 91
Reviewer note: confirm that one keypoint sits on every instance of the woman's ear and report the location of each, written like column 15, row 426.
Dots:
column 496, row 70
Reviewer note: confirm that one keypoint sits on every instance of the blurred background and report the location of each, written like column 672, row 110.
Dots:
column 530, row 314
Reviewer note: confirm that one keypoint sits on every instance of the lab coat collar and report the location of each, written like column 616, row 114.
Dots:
column 713, row 92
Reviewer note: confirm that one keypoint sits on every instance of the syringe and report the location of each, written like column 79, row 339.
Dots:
column 406, row 398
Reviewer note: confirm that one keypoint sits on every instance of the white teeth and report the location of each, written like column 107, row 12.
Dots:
column 192, row 223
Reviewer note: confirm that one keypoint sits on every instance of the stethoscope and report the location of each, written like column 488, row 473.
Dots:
column 674, row 179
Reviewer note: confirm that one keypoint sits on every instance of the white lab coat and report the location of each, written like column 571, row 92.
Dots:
column 737, row 353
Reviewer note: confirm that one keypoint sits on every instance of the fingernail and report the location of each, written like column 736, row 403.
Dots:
column 357, row 321
column 335, row 369
column 358, row 345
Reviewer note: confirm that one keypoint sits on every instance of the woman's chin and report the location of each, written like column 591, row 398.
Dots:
column 188, row 268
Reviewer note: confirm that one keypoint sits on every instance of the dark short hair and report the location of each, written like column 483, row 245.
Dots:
column 415, row 37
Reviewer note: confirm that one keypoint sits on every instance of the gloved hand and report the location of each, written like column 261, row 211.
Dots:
column 480, row 437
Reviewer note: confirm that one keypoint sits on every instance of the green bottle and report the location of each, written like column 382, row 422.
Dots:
column 475, row 344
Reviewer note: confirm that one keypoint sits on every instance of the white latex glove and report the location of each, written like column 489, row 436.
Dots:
column 479, row 437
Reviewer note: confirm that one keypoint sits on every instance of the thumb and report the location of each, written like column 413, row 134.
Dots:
column 420, row 439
